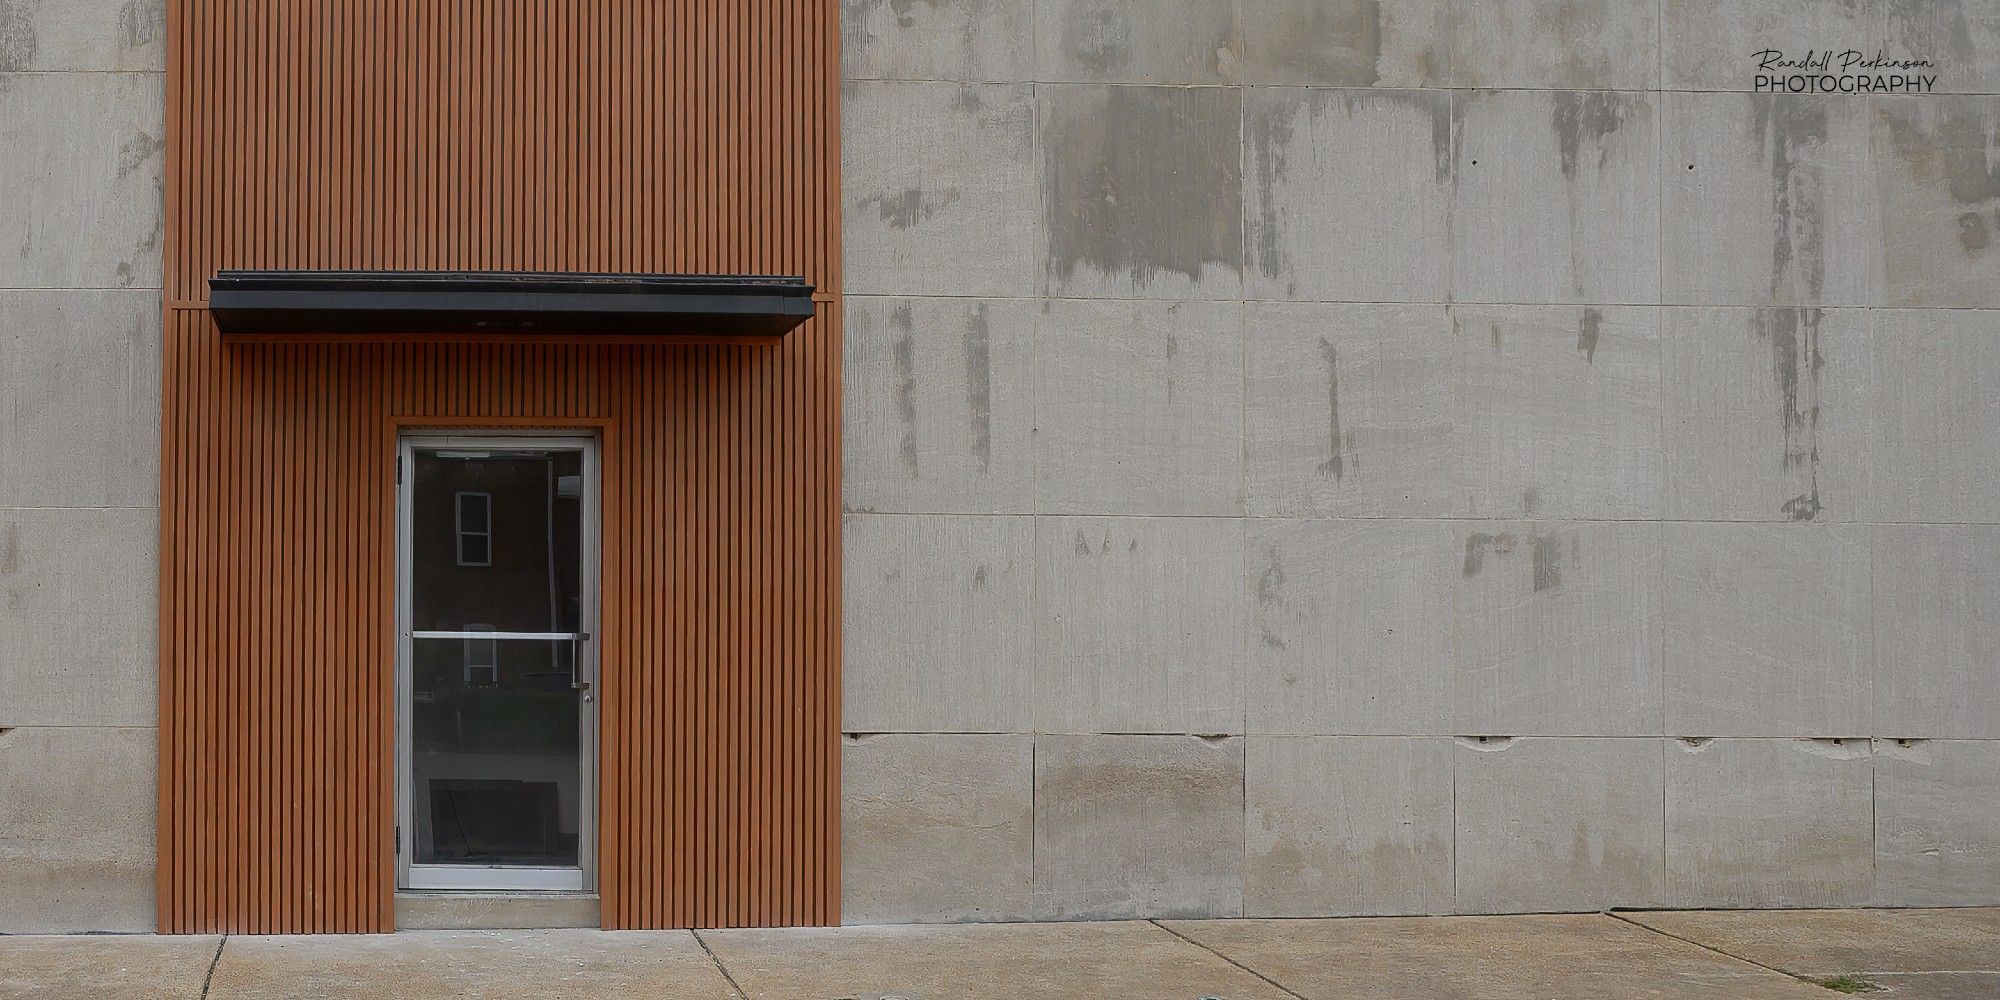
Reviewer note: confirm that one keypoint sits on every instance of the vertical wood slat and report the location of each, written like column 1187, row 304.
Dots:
column 647, row 135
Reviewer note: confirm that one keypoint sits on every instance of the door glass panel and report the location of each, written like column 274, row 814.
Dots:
column 494, row 734
column 497, row 692
column 495, row 540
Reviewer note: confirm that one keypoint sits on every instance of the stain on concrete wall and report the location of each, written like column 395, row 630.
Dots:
column 1796, row 363
column 1144, row 192
column 17, row 35
column 1940, row 191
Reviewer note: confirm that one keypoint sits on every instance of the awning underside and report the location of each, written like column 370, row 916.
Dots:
column 559, row 305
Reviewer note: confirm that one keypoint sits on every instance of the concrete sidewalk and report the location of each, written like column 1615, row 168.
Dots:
column 1911, row 954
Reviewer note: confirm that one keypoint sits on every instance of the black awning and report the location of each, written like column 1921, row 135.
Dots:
column 667, row 306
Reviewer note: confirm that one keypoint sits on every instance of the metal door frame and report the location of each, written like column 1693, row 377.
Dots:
column 501, row 878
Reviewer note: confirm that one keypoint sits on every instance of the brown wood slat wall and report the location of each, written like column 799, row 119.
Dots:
column 616, row 135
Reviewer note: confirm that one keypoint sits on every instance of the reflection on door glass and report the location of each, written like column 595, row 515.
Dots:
column 475, row 529
column 494, row 751
column 496, row 537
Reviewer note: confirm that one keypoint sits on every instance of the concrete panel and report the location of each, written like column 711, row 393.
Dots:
column 1172, row 42
column 941, row 188
column 86, row 150
column 1961, row 36
column 1558, row 410
column 1143, row 192
column 936, row 827
column 1934, row 396
column 1016, row 961
column 1558, row 825
column 1343, row 43
column 1350, row 627
column 1765, row 413
column 1769, row 630
column 1768, row 200
column 1555, row 44
column 1339, row 205
column 1138, row 826
column 445, row 965
column 1937, row 823
column 1139, row 407
column 78, row 617
column 80, row 375
column 1557, row 197
column 488, row 911
column 1769, row 823
column 1711, row 44
column 76, row 836
column 1556, row 629
column 56, row 35
column 939, row 405
column 935, row 623
column 1937, row 645
column 1341, row 826
column 1940, row 200
column 982, row 40
column 1349, row 410
column 1138, row 625
column 130, row 968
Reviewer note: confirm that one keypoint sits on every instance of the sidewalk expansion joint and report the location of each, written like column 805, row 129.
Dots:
column 719, row 967
column 213, row 961
column 1787, row 973
column 1274, row 983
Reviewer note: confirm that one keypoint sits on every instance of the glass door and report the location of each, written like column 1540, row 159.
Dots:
column 496, row 708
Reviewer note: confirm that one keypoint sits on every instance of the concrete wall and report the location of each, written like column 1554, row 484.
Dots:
column 81, row 106
column 1325, row 456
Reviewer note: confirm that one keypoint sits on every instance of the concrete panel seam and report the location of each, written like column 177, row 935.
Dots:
column 1746, row 303
column 29, row 725
column 84, row 72
column 1469, row 519
column 1266, row 86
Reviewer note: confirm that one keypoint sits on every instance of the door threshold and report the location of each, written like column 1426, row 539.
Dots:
column 494, row 909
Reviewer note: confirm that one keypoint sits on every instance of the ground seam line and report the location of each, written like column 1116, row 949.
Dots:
column 1709, row 947
column 213, row 961
column 719, row 967
column 1278, row 985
